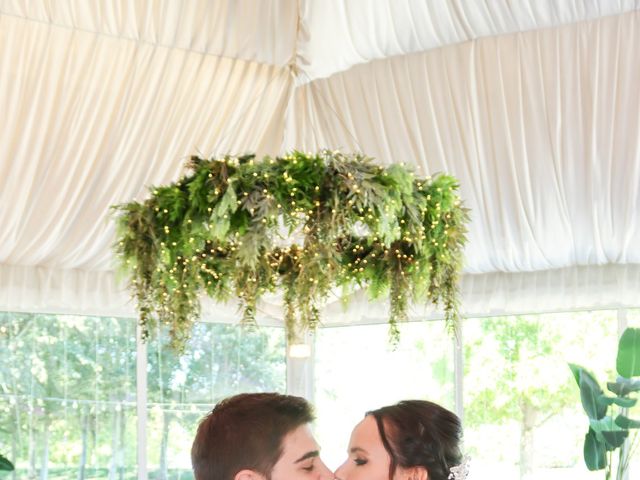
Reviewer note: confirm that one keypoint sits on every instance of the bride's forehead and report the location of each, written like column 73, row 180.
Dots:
column 366, row 429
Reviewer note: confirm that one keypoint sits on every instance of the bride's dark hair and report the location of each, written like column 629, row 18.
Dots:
column 417, row 433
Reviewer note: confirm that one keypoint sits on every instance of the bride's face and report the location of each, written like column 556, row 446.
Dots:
column 368, row 459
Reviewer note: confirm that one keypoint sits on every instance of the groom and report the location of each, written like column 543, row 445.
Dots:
column 258, row 436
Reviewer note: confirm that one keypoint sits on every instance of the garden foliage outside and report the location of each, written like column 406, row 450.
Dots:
column 68, row 393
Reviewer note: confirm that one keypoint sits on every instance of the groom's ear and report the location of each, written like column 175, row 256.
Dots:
column 248, row 475
column 413, row 473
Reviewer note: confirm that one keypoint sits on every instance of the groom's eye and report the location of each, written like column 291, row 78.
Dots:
column 308, row 468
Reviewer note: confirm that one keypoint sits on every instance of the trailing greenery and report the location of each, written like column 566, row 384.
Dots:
column 301, row 223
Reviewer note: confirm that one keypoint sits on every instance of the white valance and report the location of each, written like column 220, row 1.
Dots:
column 43, row 290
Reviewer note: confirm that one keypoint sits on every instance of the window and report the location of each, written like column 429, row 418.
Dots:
column 68, row 395
column 633, row 317
column 358, row 370
column 68, row 392
column 523, row 416
column 219, row 361
column 68, row 388
column 522, row 413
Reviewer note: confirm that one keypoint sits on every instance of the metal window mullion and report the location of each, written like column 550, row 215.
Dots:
column 622, row 321
column 141, row 403
column 300, row 373
column 458, row 369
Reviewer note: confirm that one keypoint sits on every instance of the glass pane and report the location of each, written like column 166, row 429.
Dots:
column 358, row 370
column 67, row 385
column 219, row 361
column 633, row 317
column 523, row 416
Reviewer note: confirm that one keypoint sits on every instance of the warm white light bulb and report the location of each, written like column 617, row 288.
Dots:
column 299, row 350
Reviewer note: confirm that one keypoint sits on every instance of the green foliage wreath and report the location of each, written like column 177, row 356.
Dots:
column 303, row 223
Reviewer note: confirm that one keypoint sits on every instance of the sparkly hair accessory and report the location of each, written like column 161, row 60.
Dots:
column 460, row 472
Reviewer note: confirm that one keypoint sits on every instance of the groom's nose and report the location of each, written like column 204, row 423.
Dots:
column 324, row 473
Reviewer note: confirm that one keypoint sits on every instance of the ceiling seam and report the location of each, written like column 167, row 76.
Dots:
column 293, row 77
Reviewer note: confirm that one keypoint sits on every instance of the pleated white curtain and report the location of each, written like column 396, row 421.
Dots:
column 542, row 129
column 90, row 120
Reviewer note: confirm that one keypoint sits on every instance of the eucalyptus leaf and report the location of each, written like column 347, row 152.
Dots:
column 608, row 432
column 625, row 422
column 615, row 439
column 606, row 423
column 624, row 402
column 623, row 386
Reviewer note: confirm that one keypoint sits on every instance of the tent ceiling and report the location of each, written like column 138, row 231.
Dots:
column 339, row 34
column 264, row 32
column 321, row 37
column 534, row 106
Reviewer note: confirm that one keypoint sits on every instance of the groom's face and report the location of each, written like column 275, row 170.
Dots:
column 300, row 459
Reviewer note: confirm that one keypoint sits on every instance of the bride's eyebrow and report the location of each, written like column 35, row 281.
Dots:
column 357, row 450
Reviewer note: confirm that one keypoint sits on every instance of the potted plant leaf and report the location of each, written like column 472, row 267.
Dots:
column 610, row 428
column 5, row 464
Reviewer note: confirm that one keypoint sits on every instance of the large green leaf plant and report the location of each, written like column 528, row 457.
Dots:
column 5, row 464
column 610, row 428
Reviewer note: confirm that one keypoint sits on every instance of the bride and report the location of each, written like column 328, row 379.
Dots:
column 411, row 440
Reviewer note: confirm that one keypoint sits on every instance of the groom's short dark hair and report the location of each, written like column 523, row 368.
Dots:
column 246, row 431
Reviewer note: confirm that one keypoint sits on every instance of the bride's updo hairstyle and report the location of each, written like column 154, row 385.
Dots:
column 417, row 433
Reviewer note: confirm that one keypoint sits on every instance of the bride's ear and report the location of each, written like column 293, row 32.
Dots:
column 248, row 475
column 413, row 473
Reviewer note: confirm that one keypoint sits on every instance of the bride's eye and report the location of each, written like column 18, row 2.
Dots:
column 360, row 461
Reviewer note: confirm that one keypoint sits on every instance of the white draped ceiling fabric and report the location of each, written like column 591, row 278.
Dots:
column 533, row 105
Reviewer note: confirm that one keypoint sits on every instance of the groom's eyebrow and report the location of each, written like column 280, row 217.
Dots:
column 311, row 454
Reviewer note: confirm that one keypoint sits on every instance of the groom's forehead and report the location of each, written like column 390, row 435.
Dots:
column 298, row 443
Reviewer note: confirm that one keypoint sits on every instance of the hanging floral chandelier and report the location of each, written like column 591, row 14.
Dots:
column 302, row 223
